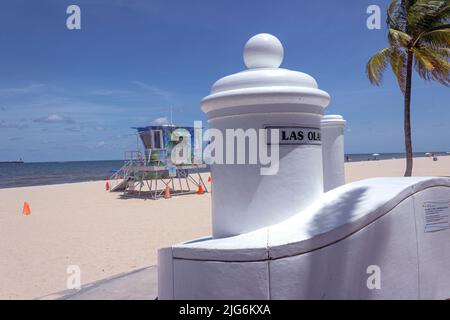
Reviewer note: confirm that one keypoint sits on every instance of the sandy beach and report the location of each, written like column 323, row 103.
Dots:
column 355, row 171
column 82, row 224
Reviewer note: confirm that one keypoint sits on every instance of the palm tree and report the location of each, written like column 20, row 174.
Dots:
column 419, row 36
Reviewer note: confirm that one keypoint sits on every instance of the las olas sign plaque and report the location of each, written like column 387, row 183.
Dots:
column 294, row 135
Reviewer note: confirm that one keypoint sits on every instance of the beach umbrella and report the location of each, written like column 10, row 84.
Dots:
column 376, row 154
column 428, row 154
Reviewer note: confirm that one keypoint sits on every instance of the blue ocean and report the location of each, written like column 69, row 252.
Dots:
column 44, row 173
column 357, row 157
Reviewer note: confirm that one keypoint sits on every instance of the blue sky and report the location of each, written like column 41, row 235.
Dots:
column 75, row 94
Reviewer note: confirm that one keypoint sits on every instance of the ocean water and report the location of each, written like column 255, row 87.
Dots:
column 386, row 156
column 44, row 173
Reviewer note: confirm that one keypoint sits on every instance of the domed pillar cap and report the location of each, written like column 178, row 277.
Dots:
column 333, row 120
column 263, row 51
column 264, row 82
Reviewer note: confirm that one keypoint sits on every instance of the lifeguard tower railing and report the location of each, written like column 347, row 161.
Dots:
column 148, row 174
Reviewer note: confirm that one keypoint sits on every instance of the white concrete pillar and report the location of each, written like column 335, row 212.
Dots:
column 333, row 151
column 266, row 97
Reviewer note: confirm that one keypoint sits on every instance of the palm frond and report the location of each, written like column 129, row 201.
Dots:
column 426, row 14
column 443, row 52
column 377, row 64
column 398, row 64
column 444, row 11
column 399, row 39
column 396, row 16
column 431, row 65
column 442, row 16
column 436, row 37
column 422, row 64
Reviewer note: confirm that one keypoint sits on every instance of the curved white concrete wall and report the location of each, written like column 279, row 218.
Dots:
column 333, row 151
column 325, row 251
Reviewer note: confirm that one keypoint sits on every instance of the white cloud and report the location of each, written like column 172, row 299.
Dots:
column 154, row 90
column 32, row 88
column 12, row 125
column 54, row 118
column 101, row 144
column 73, row 129
column 105, row 92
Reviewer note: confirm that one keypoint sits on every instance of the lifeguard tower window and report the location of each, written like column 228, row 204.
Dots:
column 157, row 139
column 145, row 138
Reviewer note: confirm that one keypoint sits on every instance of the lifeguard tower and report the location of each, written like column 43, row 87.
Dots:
column 150, row 171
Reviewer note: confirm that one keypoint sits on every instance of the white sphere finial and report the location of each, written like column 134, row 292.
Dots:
column 263, row 51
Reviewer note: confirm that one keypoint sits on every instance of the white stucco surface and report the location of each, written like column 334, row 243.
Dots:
column 323, row 252
column 333, row 151
column 433, row 248
column 339, row 270
column 334, row 216
column 211, row 280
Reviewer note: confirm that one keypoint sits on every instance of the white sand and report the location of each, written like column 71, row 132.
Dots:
column 82, row 224
column 396, row 168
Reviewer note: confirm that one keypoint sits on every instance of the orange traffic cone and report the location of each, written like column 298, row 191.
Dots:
column 167, row 192
column 107, row 186
column 209, row 179
column 26, row 209
column 200, row 188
